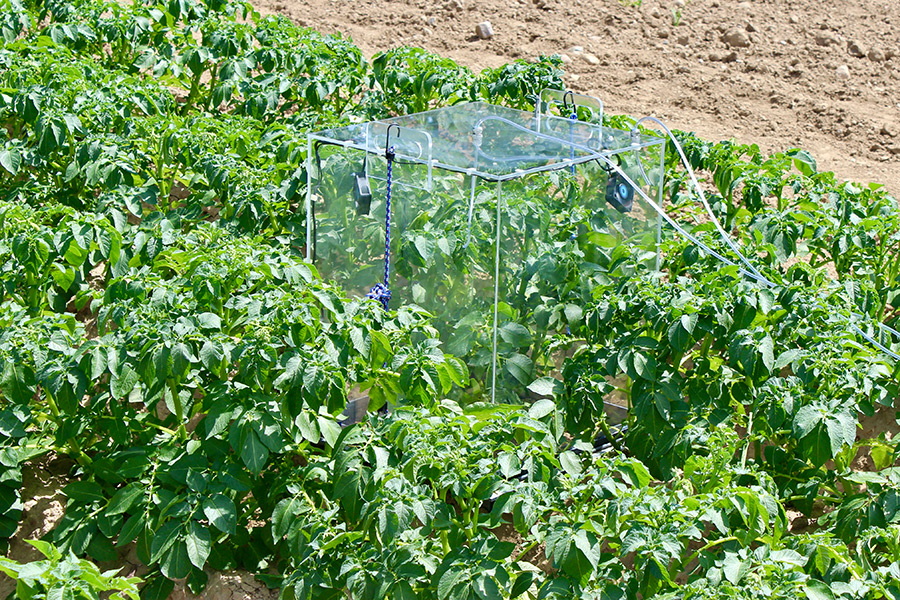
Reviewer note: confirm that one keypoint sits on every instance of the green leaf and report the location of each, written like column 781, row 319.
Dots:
column 486, row 588
column 46, row 548
column 63, row 276
column 448, row 581
column 637, row 473
column 124, row 499
column 425, row 248
column 381, row 347
column 163, row 539
column 292, row 375
column 361, row 342
column 882, row 456
column 208, row 320
column 806, row 419
column 330, row 429
column 11, row 160
column 804, row 161
column 308, row 425
column 788, row 556
column 816, row 590
column 546, row 386
column 509, row 464
column 84, row 491
column 541, row 409
column 817, row 446
column 198, row 543
column 787, row 357
column 211, row 355
column 519, row 366
column 159, row 588
column 515, row 334
column 570, row 463
column 457, row 370
column 841, row 430
column 17, row 382
column 73, row 123
column 130, row 529
column 175, row 563
column 678, row 335
column 283, row 514
column 220, row 512
column 644, row 366
column 122, row 385
column 522, row 584
column 253, row 452
column 403, row 591
column 689, row 322
column 733, row 567
column 766, row 301
column 766, row 349
column 574, row 314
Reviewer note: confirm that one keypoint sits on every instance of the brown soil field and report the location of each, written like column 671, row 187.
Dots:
column 821, row 75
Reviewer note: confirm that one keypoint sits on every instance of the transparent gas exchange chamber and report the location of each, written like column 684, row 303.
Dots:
column 490, row 209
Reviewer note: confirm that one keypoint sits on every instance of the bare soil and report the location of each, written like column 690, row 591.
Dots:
column 823, row 75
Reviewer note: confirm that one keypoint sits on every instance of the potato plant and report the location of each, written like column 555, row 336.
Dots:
column 165, row 342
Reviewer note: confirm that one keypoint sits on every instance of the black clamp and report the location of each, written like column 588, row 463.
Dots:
column 619, row 194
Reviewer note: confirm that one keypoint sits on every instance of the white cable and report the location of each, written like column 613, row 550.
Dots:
column 755, row 273
column 699, row 189
column 756, row 276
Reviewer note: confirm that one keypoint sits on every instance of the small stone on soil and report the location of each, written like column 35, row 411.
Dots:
column 842, row 72
column 876, row 55
column 484, row 30
column 857, row 49
column 737, row 38
column 590, row 58
column 826, row 38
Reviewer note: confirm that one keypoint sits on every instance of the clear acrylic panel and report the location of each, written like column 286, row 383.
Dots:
column 552, row 200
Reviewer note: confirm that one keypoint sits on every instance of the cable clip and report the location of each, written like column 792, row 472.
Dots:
column 573, row 113
column 388, row 149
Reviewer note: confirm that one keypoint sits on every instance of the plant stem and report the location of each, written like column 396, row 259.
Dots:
column 179, row 411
